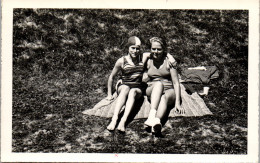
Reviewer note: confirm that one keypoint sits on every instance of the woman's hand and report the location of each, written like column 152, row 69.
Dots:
column 179, row 109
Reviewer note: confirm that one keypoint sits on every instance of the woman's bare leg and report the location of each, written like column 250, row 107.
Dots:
column 120, row 102
column 168, row 99
column 156, row 93
column 134, row 94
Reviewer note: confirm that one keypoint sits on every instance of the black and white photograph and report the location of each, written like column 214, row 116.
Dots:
column 119, row 81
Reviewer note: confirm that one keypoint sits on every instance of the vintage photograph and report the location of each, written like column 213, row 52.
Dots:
column 129, row 81
column 138, row 81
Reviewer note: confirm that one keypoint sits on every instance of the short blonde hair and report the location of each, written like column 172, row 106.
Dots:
column 159, row 40
column 156, row 39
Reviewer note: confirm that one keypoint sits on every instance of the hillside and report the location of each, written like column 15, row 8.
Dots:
column 62, row 59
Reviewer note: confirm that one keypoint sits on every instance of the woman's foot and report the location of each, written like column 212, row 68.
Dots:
column 148, row 128
column 111, row 126
column 156, row 129
column 157, row 126
column 151, row 117
column 121, row 127
column 149, row 122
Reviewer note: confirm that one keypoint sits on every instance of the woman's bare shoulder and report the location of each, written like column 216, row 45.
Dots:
column 121, row 59
column 120, row 62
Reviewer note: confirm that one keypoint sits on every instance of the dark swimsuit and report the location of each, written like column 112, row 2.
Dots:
column 132, row 75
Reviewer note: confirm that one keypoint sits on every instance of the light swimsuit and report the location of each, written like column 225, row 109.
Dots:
column 160, row 74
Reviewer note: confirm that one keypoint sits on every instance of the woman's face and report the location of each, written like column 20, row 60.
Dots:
column 134, row 50
column 157, row 50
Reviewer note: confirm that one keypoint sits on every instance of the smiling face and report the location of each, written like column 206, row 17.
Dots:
column 134, row 51
column 157, row 50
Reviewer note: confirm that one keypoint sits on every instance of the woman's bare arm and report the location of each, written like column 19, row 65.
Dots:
column 115, row 70
column 146, row 56
column 176, row 85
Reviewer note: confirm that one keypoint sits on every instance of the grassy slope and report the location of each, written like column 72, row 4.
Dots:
column 61, row 63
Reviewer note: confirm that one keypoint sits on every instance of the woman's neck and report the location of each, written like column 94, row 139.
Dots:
column 135, row 60
column 158, row 61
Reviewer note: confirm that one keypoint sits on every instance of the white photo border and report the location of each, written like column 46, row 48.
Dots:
column 6, row 78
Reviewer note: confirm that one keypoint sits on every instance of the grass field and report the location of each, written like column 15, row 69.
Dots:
column 62, row 59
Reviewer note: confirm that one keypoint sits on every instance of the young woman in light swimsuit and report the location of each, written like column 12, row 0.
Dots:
column 163, row 88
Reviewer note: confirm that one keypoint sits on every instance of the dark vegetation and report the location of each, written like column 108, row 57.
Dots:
column 62, row 59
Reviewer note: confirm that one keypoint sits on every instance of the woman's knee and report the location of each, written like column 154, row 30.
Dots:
column 163, row 98
column 158, row 84
column 134, row 93
column 124, row 89
column 158, row 87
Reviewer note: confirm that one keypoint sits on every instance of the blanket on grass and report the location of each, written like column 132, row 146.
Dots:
column 193, row 105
